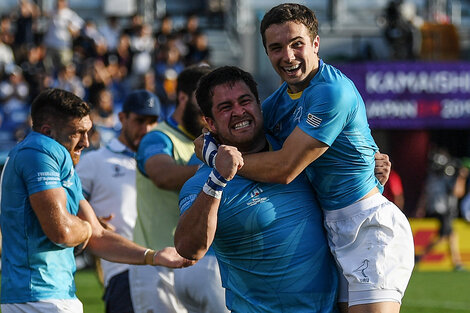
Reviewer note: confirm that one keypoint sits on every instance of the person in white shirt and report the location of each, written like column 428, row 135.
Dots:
column 64, row 25
column 108, row 181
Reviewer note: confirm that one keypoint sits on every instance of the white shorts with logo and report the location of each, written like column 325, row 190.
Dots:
column 44, row 306
column 152, row 290
column 372, row 243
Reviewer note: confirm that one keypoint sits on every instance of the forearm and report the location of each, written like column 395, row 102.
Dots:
column 196, row 227
column 115, row 248
column 174, row 177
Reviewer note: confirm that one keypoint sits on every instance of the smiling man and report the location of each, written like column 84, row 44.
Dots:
column 268, row 238
column 317, row 122
column 44, row 215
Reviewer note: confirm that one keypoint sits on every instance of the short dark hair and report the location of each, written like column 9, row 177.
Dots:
column 219, row 76
column 290, row 12
column 189, row 77
column 57, row 106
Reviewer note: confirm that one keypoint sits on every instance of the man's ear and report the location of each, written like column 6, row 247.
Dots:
column 210, row 124
column 182, row 98
column 46, row 129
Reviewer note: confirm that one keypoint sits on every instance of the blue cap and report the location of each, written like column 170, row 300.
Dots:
column 142, row 102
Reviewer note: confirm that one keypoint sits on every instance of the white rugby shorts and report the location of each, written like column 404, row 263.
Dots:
column 372, row 243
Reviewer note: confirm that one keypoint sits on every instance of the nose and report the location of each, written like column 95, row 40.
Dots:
column 238, row 110
column 84, row 142
column 288, row 54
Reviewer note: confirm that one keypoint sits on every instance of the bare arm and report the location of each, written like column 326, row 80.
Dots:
column 113, row 247
column 284, row 165
column 58, row 224
column 166, row 174
column 196, row 227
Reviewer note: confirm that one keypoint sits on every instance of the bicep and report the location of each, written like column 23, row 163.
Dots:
column 50, row 207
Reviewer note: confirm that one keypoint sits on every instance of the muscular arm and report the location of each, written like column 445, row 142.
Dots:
column 166, row 174
column 113, row 247
column 197, row 225
column 284, row 165
column 58, row 224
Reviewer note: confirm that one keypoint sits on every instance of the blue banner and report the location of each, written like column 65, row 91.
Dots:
column 413, row 95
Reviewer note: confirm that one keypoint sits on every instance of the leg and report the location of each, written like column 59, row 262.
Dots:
column 379, row 307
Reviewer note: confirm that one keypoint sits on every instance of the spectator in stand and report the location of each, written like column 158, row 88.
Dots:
column 34, row 70
column 165, row 31
column 142, row 46
column 6, row 56
column 64, row 25
column 393, row 190
column 103, row 115
column 111, row 31
column 167, row 68
column 199, row 51
column 25, row 17
column 68, row 80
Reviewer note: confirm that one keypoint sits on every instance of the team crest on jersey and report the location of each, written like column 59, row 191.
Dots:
column 255, row 197
column 297, row 114
column 118, row 171
column 313, row 120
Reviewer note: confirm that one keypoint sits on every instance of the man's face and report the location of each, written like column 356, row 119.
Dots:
column 134, row 127
column 73, row 135
column 292, row 53
column 237, row 118
column 193, row 120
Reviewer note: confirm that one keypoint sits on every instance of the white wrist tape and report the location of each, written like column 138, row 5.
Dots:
column 209, row 150
column 214, row 185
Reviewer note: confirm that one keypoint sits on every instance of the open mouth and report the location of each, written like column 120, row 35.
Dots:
column 292, row 69
column 241, row 125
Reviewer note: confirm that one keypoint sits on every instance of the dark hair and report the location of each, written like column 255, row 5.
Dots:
column 56, row 106
column 290, row 12
column 189, row 77
column 220, row 76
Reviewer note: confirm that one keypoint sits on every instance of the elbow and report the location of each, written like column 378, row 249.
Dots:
column 62, row 237
column 184, row 248
column 283, row 176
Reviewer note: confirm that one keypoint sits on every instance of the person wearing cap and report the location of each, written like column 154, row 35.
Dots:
column 44, row 215
column 108, row 180
column 165, row 160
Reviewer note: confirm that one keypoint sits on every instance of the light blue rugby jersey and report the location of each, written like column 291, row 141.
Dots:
column 33, row 267
column 270, row 245
column 332, row 111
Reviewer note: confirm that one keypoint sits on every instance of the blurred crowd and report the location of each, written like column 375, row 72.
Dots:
column 100, row 63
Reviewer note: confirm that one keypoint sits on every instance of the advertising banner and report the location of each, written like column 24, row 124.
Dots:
column 438, row 259
column 413, row 95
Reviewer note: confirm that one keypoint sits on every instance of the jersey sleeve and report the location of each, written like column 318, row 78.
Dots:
column 153, row 143
column 39, row 170
column 327, row 108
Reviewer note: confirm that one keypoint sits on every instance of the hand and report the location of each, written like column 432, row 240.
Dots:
column 170, row 258
column 229, row 160
column 104, row 221
column 383, row 166
column 84, row 244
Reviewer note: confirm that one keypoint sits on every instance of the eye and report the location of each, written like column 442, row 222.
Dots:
column 297, row 44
